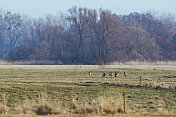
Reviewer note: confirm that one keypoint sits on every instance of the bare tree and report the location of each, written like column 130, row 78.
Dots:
column 78, row 19
column 2, row 40
column 14, row 29
column 107, row 30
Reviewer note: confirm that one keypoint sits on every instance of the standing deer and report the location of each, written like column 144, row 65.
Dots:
column 110, row 74
column 116, row 73
column 90, row 73
column 125, row 74
column 104, row 74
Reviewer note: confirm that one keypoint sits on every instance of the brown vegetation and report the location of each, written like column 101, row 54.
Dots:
column 99, row 106
column 3, row 108
column 87, row 36
column 156, row 85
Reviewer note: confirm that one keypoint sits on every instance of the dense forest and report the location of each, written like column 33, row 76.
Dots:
column 87, row 36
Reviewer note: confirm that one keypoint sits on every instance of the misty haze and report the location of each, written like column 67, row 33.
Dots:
column 87, row 36
column 87, row 58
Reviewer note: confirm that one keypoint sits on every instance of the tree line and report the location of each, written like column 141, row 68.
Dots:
column 87, row 36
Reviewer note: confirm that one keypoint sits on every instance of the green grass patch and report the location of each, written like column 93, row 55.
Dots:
column 58, row 87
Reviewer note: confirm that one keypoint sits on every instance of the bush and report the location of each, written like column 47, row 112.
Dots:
column 43, row 110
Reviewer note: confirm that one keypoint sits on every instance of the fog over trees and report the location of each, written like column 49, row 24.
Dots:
column 87, row 36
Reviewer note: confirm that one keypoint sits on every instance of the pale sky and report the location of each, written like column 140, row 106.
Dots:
column 39, row 8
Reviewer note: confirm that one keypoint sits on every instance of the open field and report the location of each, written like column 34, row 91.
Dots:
column 128, row 66
column 70, row 91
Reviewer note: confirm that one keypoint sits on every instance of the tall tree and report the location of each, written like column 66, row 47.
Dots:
column 78, row 19
column 107, row 31
column 2, row 39
column 14, row 29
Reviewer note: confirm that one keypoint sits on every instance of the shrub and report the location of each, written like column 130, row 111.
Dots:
column 3, row 108
column 43, row 110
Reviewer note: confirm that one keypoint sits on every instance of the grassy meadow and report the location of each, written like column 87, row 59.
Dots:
column 72, row 92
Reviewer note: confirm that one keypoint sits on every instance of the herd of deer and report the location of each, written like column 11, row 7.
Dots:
column 149, row 84
column 110, row 74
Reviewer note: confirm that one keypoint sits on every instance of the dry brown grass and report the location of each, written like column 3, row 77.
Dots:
column 157, row 65
column 41, row 106
column 110, row 105
column 43, row 110
column 99, row 106
column 74, row 104
column 156, row 85
column 46, row 106
column 3, row 108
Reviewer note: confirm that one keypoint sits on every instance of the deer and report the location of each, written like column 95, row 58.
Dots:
column 104, row 74
column 110, row 74
column 90, row 73
column 125, row 74
column 116, row 73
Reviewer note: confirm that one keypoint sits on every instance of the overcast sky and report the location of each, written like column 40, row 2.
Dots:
column 39, row 8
